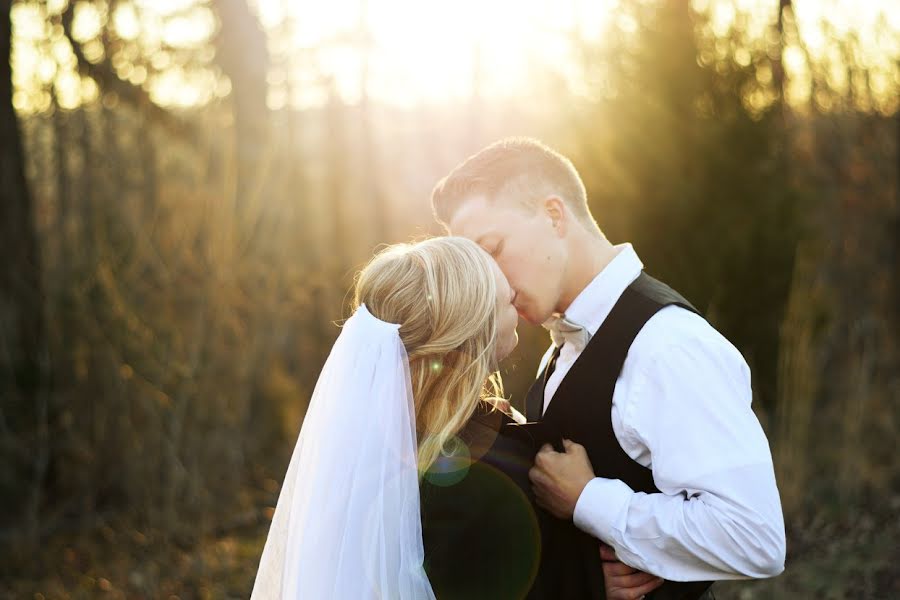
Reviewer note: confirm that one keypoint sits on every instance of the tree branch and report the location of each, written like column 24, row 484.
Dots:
column 107, row 80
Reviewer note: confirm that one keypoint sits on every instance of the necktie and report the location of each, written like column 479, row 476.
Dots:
column 534, row 400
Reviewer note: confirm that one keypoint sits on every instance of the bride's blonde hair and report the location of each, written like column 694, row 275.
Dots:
column 443, row 294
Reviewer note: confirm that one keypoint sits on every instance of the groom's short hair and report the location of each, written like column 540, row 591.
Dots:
column 525, row 166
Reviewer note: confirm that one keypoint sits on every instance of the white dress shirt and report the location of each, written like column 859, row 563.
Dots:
column 681, row 407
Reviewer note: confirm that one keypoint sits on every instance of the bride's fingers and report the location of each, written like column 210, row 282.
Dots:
column 634, row 580
column 607, row 553
column 639, row 591
column 617, row 569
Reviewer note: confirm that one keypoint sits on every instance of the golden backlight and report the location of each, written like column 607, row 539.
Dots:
column 406, row 52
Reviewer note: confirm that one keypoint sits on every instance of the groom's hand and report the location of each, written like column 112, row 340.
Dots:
column 558, row 478
column 623, row 582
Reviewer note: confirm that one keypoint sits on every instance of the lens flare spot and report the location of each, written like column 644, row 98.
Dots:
column 451, row 466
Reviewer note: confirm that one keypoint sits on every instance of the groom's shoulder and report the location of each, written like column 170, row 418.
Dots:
column 675, row 327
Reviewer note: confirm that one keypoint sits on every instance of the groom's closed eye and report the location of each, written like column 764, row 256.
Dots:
column 497, row 248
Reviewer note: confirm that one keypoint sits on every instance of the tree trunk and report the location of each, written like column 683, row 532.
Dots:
column 777, row 66
column 23, row 355
column 242, row 53
column 371, row 168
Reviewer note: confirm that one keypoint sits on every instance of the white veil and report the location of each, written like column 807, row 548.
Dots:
column 347, row 522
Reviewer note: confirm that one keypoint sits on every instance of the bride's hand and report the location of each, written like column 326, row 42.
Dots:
column 623, row 582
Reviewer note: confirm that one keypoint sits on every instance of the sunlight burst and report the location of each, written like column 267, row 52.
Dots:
column 416, row 51
column 409, row 52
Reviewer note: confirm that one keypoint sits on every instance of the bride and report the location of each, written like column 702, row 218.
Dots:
column 407, row 373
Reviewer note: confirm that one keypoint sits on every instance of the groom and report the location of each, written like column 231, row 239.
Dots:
column 666, row 475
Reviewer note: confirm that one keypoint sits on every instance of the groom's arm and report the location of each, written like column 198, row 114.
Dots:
column 719, row 515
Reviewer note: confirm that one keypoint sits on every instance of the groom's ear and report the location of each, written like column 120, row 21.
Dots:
column 555, row 210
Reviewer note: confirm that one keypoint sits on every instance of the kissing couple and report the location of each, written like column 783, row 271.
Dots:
column 638, row 469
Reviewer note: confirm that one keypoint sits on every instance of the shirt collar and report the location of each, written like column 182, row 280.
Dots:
column 594, row 303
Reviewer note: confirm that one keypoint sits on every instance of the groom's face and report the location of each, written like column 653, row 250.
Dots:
column 526, row 246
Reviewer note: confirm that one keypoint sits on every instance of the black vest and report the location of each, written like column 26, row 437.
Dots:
column 580, row 411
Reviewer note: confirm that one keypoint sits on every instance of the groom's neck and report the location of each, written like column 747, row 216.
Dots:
column 588, row 256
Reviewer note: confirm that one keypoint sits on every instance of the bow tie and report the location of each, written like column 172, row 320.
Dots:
column 564, row 331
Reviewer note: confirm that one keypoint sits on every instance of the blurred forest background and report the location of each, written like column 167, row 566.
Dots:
column 187, row 187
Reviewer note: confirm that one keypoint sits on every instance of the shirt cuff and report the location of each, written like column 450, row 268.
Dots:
column 602, row 508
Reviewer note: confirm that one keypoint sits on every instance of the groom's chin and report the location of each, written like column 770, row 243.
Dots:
column 528, row 318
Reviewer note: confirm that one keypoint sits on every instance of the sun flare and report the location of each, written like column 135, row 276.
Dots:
column 434, row 51
column 409, row 52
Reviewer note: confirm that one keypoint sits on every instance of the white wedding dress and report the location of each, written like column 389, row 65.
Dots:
column 347, row 522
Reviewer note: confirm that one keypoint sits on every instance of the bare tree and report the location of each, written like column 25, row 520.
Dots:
column 24, row 365
column 777, row 66
column 370, row 152
column 242, row 54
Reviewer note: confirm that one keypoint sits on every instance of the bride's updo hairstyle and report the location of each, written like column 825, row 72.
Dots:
column 442, row 293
